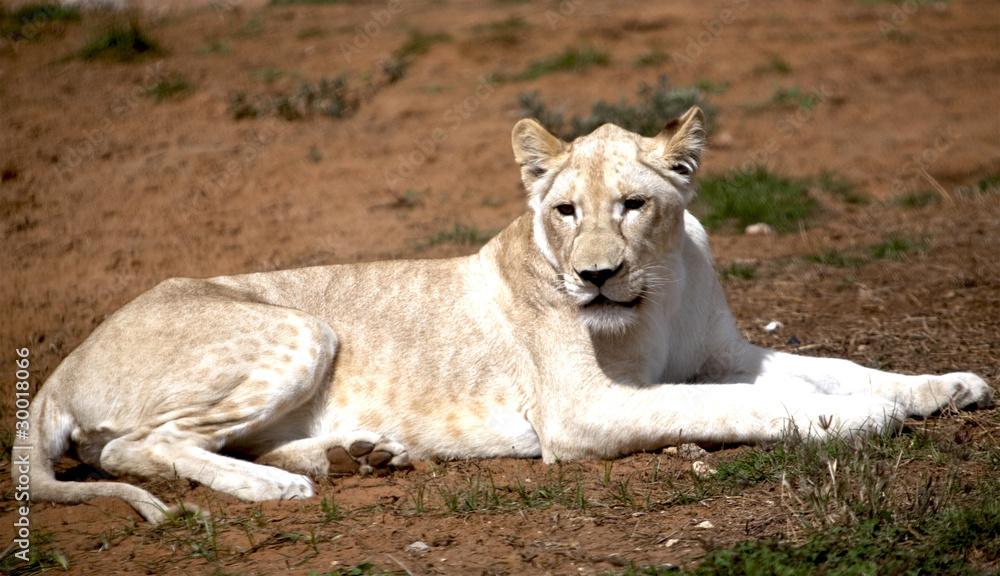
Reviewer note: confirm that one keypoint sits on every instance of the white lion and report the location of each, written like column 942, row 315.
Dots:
column 591, row 327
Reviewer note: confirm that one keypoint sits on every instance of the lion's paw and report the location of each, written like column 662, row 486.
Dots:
column 367, row 457
column 958, row 390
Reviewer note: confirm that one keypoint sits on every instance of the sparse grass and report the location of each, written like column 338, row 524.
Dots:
column 656, row 106
column 748, row 197
column 121, row 43
column 739, row 270
column 330, row 97
column 794, row 97
column 893, row 247
column 855, row 511
column 836, row 258
column 576, row 60
column 709, row 86
column 776, row 65
column 29, row 21
column 168, row 88
column 988, row 184
column 651, row 58
column 215, row 46
column 307, row 2
column 834, row 185
column 460, row 234
column 504, row 32
column 311, row 33
column 43, row 556
column 267, row 74
column 331, row 511
column 917, row 199
column 420, row 43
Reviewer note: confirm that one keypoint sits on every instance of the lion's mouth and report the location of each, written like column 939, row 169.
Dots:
column 602, row 300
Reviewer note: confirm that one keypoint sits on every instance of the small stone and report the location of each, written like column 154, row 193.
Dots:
column 671, row 542
column 705, row 525
column 773, row 326
column 687, row 451
column 418, row 547
column 759, row 229
column 702, row 469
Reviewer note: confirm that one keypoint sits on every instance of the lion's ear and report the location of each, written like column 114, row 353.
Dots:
column 538, row 151
column 678, row 147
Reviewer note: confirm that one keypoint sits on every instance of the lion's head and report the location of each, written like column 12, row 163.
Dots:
column 609, row 210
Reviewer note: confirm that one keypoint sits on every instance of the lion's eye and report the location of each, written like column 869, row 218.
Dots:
column 566, row 209
column 682, row 169
column 634, row 203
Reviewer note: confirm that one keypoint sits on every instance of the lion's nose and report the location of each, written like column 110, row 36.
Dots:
column 600, row 276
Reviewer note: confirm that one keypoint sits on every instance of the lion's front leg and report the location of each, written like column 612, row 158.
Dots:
column 615, row 419
column 917, row 395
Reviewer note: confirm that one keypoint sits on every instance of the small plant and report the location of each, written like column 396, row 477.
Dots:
column 42, row 556
column 917, row 199
column 836, row 258
column 651, row 58
column 739, row 270
column 795, row 97
column 331, row 511
column 308, row 2
column 656, row 106
column 571, row 60
column 749, row 197
column 329, row 97
column 121, row 43
column 776, row 65
column 311, row 33
column 215, row 46
column 894, row 247
column 710, row 86
column 504, row 32
column 988, row 184
column 461, row 234
column 168, row 88
column 834, row 185
column 29, row 21
column 420, row 43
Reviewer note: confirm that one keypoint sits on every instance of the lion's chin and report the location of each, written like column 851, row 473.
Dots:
column 609, row 316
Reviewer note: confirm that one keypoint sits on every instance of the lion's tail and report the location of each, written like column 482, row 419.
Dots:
column 49, row 429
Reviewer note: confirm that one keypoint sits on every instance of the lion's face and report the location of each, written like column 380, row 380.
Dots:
column 609, row 211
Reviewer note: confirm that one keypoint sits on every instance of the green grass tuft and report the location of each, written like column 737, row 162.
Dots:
column 504, row 32
column 656, row 106
column 168, row 88
column 121, row 43
column 571, row 60
column 461, row 234
column 739, row 270
column 917, row 199
column 745, row 198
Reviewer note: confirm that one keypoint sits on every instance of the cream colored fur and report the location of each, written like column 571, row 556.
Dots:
column 591, row 327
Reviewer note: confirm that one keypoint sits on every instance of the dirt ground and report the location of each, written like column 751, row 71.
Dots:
column 105, row 192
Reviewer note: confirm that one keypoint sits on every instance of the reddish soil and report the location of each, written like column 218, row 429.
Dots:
column 105, row 192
